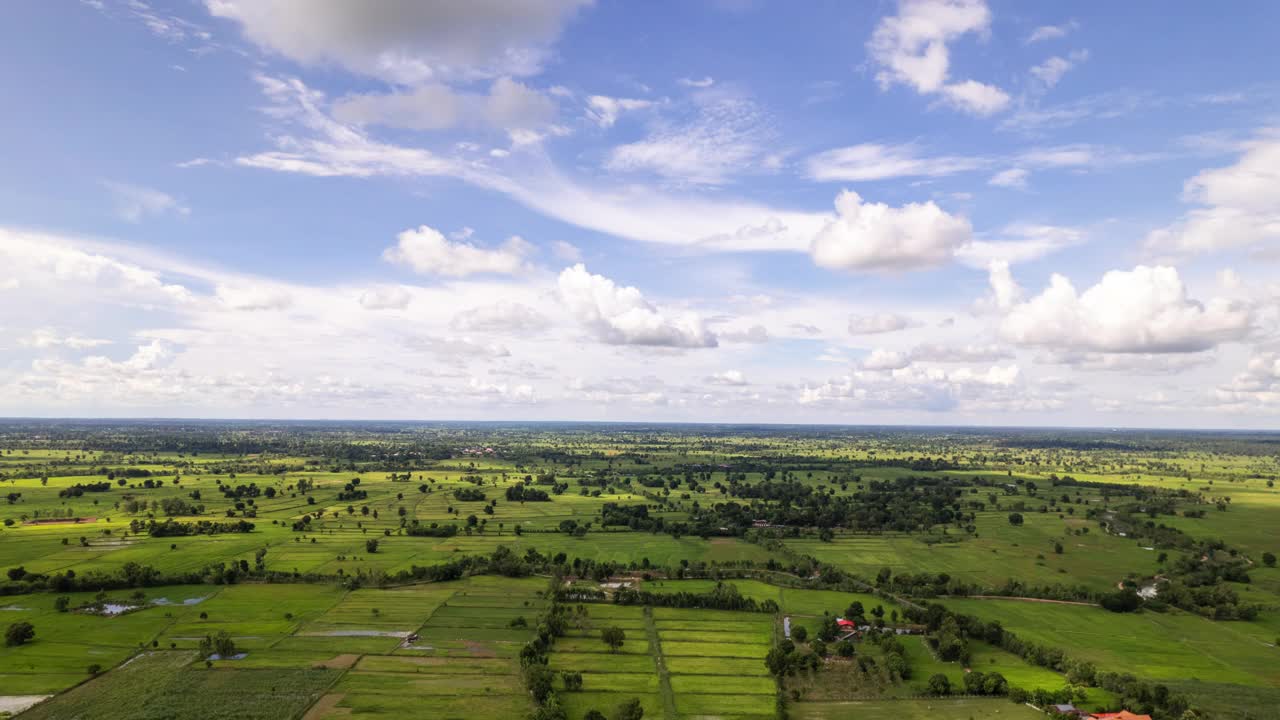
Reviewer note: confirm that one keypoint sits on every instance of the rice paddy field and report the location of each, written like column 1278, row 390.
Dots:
column 678, row 662
column 329, row 620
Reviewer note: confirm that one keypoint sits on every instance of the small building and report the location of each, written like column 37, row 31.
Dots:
column 1122, row 715
column 845, row 624
column 1069, row 710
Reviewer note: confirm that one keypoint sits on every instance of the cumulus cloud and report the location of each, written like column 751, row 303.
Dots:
column 385, row 297
column 508, row 105
column 406, row 40
column 425, row 250
column 877, row 237
column 48, row 262
column 1240, row 204
column 911, row 48
column 1145, row 310
column 135, row 202
column 878, row 323
column 1255, row 390
column 621, row 316
column 935, row 390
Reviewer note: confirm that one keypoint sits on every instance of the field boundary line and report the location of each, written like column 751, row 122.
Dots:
column 1026, row 599
column 660, row 664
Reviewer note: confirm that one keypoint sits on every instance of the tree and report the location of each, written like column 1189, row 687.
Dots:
column 1015, row 519
column 939, row 685
column 19, row 633
column 221, row 645
column 594, row 714
column 371, row 546
column 613, row 636
column 94, row 669
column 630, row 710
column 975, row 683
column 61, row 603
column 799, row 633
column 995, row 684
column 572, row 680
column 1269, row 559
column 844, row 648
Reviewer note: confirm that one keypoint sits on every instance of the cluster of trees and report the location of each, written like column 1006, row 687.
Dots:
column 81, row 488
column 174, row 528
column 724, row 596
column 417, row 529
column 220, row 644
column 1135, row 694
column 526, row 493
column 351, row 491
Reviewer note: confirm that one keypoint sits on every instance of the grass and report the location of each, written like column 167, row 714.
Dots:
column 167, row 686
column 1171, row 647
column 940, row 709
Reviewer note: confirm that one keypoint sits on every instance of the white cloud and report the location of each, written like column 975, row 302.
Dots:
column 253, row 297
column 331, row 148
column 1050, row 32
column 879, row 323
column 325, row 147
column 1240, row 204
column 406, row 40
column 621, row 316
column 1011, row 178
column 877, row 237
column 880, row 360
column 728, row 377
column 755, row 335
column 703, row 82
column 45, row 338
column 566, row 251
column 508, row 105
column 46, row 262
column 1021, row 242
column 503, row 316
column 134, row 202
column 725, row 137
column 385, row 297
column 974, row 97
column 873, row 161
column 934, row 390
column 604, row 110
column 1051, row 70
column 911, row 48
column 425, row 250
column 1145, row 310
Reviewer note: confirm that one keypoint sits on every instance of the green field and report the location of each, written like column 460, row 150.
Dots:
column 321, row 596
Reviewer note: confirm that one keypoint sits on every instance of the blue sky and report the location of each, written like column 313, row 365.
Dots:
column 900, row 212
